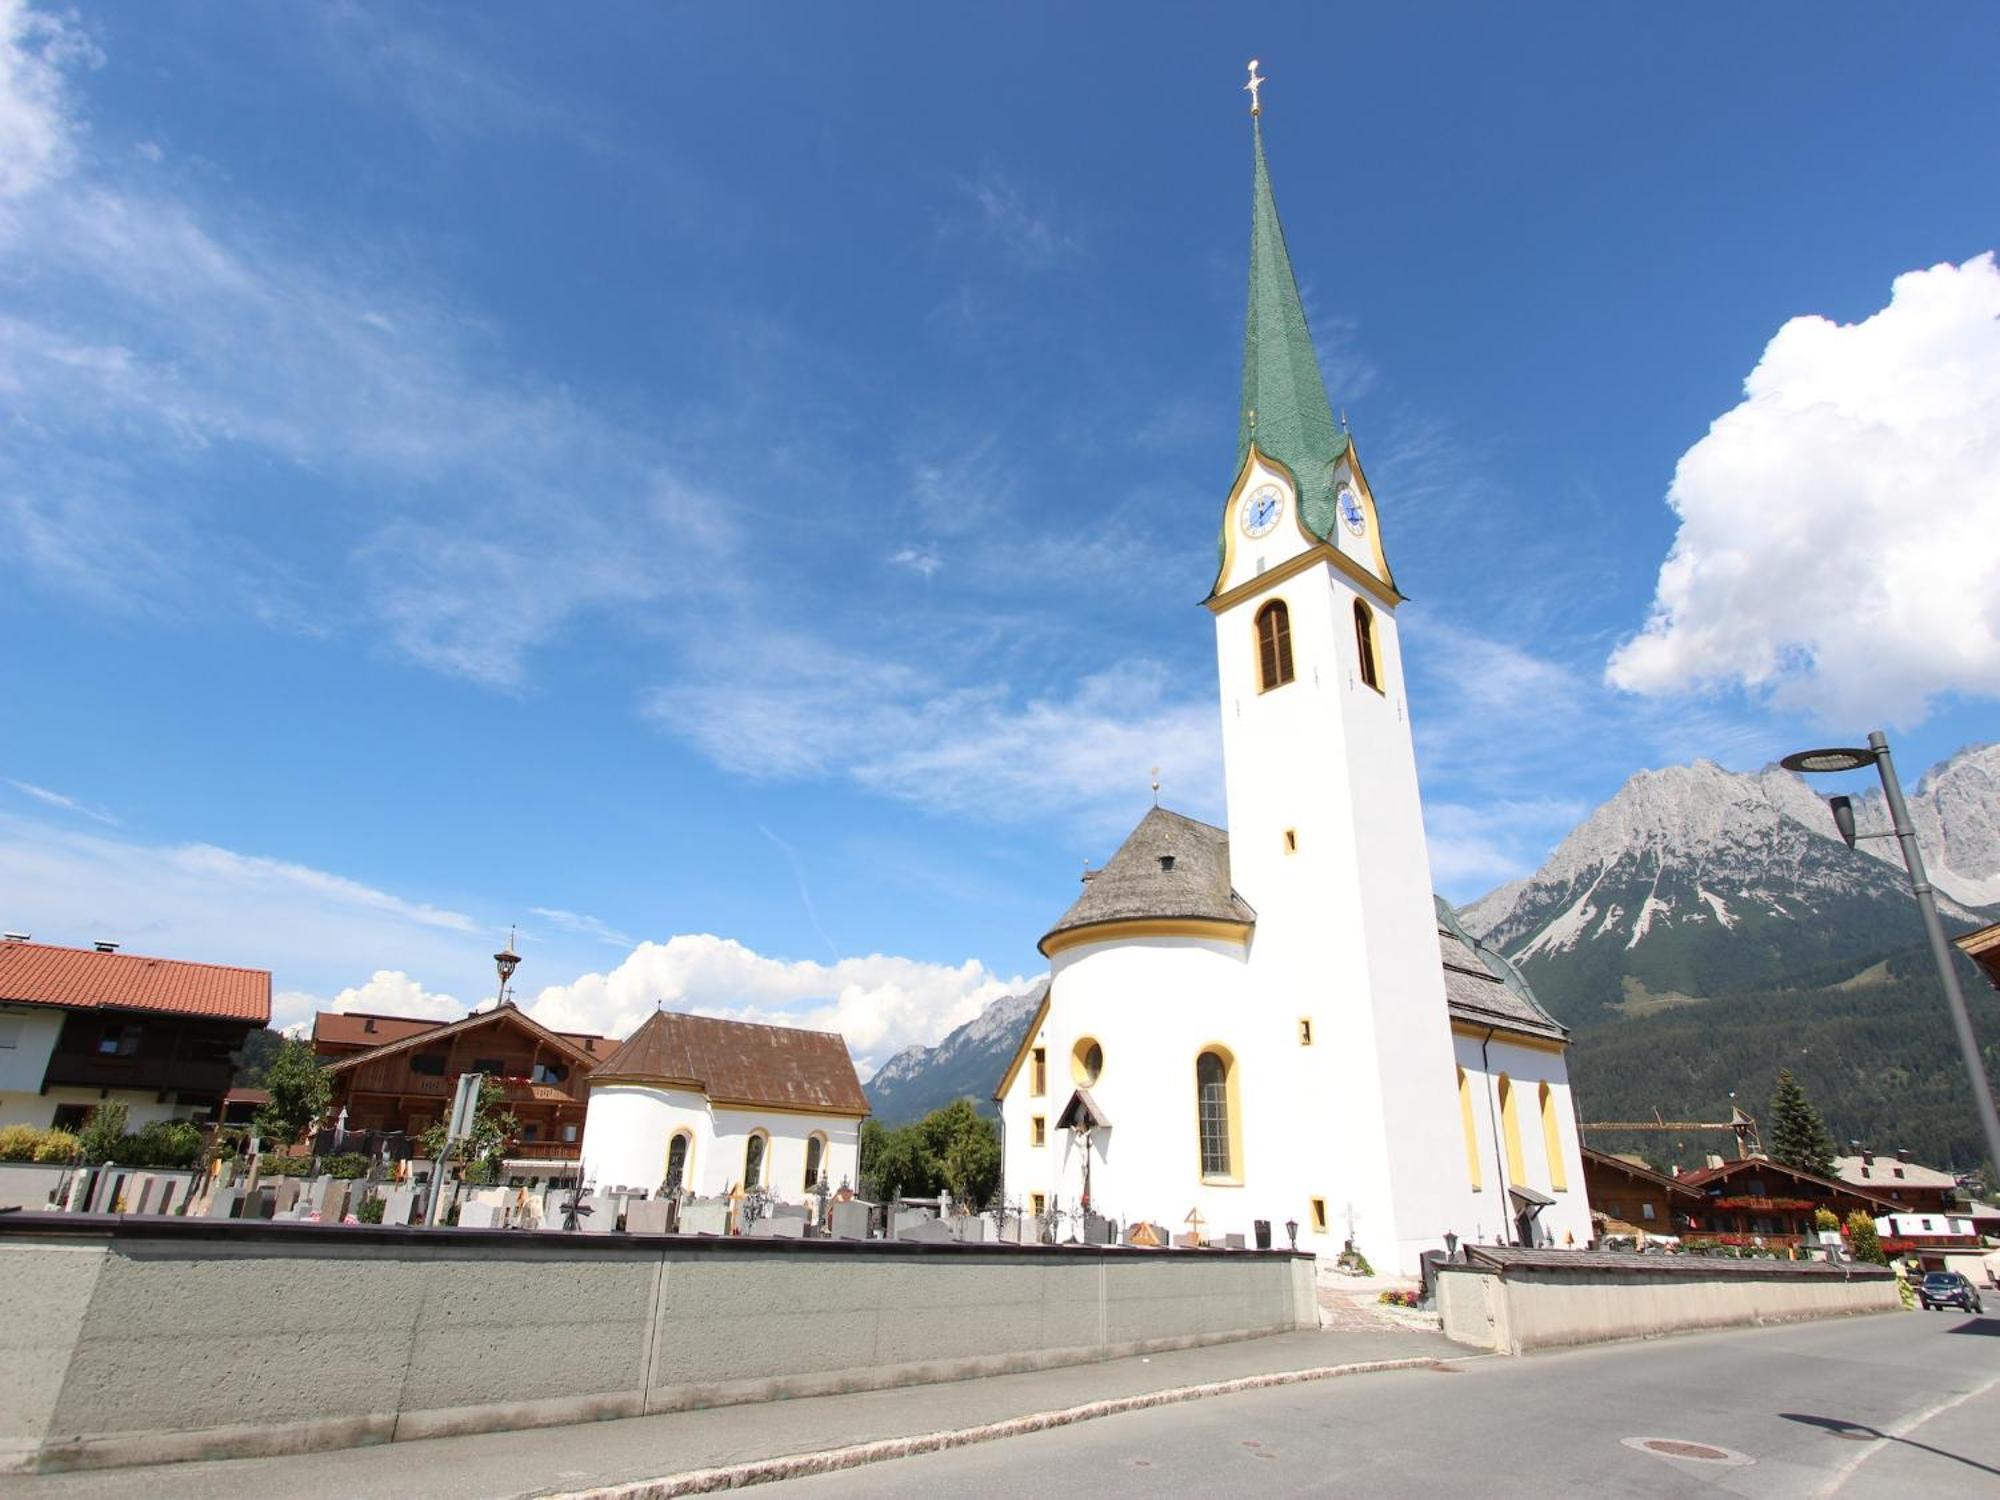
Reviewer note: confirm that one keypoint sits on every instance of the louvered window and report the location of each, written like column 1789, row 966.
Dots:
column 1364, row 645
column 1274, row 646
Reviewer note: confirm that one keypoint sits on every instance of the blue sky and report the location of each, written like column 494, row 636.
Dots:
column 743, row 482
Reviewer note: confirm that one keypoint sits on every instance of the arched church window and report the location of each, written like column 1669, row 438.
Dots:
column 1471, row 1131
column 1364, row 644
column 1510, row 1130
column 1552, row 1141
column 1214, row 1113
column 1086, row 1061
column 677, row 1160
column 815, row 1154
column 753, row 1161
column 1274, row 646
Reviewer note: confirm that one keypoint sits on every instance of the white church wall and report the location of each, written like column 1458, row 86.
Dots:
column 1567, row 1221
column 626, row 1128
column 784, row 1152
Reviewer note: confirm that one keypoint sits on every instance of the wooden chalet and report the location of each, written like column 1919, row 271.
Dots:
column 1633, row 1199
column 1983, row 948
column 404, row 1084
column 1756, row 1199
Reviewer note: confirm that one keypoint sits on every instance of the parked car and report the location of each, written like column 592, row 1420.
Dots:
column 1947, row 1289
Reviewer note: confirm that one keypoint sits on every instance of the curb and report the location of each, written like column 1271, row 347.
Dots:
column 854, row 1455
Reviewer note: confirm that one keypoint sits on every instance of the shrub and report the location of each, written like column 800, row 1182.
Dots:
column 370, row 1212
column 284, row 1166
column 58, row 1146
column 172, row 1144
column 1825, row 1218
column 1862, row 1241
column 19, row 1142
column 347, row 1166
column 103, row 1134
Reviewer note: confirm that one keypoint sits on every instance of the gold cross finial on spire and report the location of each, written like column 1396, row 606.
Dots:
column 1255, row 83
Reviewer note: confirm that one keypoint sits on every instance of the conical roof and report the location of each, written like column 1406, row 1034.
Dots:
column 1285, row 407
column 1169, row 868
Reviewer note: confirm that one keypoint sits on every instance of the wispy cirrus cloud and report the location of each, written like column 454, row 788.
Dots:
column 48, row 798
column 584, row 925
column 469, row 511
column 1004, row 214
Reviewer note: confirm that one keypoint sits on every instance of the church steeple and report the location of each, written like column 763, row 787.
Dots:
column 1285, row 408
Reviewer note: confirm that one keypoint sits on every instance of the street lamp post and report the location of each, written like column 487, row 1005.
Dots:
column 1817, row 762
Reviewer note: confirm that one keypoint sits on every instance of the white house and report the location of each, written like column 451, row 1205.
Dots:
column 1280, row 1022
column 710, row 1106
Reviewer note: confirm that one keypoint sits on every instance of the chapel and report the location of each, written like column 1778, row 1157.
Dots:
column 1280, row 1022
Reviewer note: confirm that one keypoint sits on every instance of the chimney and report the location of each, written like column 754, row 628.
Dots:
column 1867, row 1157
column 1903, row 1154
column 104, row 947
column 16, row 937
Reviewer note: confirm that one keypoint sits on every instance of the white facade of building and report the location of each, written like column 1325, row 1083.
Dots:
column 1289, row 1026
column 630, row 1129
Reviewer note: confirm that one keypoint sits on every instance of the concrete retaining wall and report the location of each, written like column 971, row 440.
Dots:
column 144, row 1341
column 1512, row 1306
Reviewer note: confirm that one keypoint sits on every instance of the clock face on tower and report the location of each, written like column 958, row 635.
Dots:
column 1349, row 505
column 1261, row 509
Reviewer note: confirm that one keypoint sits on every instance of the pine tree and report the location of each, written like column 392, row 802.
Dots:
column 1798, row 1136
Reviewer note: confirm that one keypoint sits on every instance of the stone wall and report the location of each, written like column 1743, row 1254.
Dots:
column 124, row 1342
column 1512, row 1301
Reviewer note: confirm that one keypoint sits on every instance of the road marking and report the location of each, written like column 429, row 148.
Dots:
column 828, row 1460
column 1903, row 1429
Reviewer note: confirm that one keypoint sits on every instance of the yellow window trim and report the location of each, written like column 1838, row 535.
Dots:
column 1465, row 1120
column 1038, row 1073
column 1038, row 1130
column 1318, row 1215
column 1552, row 1140
column 1510, row 1129
column 1232, row 1095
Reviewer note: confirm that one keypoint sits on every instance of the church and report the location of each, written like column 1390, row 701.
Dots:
column 1281, row 1021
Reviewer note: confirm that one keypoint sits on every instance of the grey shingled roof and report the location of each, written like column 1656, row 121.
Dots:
column 1482, row 989
column 1137, row 885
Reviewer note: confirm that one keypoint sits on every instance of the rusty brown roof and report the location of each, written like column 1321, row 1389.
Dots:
column 741, row 1063
column 85, row 979
column 354, row 1028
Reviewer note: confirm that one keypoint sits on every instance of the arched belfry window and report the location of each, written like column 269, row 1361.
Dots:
column 1364, row 644
column 1215, row 1113
column 1274, row 646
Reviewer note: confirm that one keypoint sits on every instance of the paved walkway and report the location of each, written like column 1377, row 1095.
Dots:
column 552, row 1460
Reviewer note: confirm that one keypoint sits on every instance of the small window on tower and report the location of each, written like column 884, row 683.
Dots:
column 1038, row 1074
column 1291, row 841
column 1364, row 644
column 1038, row 1131
column 1319, row 1215
column 1274, row 646
column 1305, row 1031
column 1038, row 1204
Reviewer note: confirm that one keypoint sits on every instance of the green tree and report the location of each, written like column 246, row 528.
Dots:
column 480, row 1150
column 954, row 1149
column 1862, row 1241
column 1798, row 1136
column 299, row 1090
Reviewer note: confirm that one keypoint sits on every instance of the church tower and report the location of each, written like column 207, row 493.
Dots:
column 1326, row 835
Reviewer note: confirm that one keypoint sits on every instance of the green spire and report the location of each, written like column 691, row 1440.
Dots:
column 1284, row 400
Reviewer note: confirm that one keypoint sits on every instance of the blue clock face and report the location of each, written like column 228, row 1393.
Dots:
column 1350, row 509
column 1261, row 510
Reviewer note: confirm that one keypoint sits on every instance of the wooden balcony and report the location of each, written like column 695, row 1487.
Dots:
column 544, row 1151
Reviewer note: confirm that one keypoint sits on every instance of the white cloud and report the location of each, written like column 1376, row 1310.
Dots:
column 1837, row 550
column 880, row 1004
column 56, row 799
column 1023, row 231
column 388, row 992
column 172, row 331
column 923, row 561
column 584, row 925
column 799, row 710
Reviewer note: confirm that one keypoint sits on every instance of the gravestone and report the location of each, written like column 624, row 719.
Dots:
column 477, row 1215
column 104, row 1196
column 224, row 1204
column 602, row 1218
column 850, row 1220
column 1016, row 1229
column 1145, row 1235
column 333, row 1203
column 790, row 1211
column 1098, row 1230
column 928, row 1232
column 288, row 1197
column 970, row 1230
column 397, row 1205
column 649, row 1217
column 1187, row 1241
column 779, row 1229
column 907, row 1221
column 137, row 1193
column 706, row 1216
column 1232, row 1242
column 79, row 1191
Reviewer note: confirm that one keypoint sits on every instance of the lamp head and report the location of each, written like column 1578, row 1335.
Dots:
column 1843, row 817
column 1822, row 762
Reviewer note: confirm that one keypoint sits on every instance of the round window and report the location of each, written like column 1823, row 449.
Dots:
column 1086, row 1061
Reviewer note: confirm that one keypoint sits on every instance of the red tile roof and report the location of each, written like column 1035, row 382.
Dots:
column 352, row 1028
column 740, row 1063
column 84, row 979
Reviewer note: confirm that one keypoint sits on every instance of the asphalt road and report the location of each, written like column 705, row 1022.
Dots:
column 1897, row 1406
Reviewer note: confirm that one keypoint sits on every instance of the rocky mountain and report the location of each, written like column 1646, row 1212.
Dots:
column 966, row 1064
column 1694, row 881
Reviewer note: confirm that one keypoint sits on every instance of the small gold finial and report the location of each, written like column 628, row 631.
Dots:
column 1156, row 786
column 1255, row 83
column 1253, row 424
